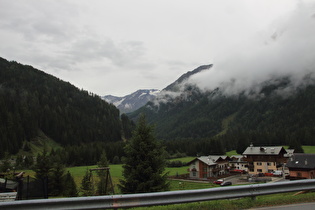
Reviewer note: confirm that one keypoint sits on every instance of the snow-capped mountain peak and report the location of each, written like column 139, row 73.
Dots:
column 133, row 101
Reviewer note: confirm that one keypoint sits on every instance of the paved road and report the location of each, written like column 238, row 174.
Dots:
column 298, row 206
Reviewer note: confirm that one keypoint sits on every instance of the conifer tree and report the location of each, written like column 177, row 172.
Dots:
column 57, row 178
column 70, row 188
column 296, row 145
column 103, row 161
column 43, row 165
column 102, row 184
column 5, row 165
column 86, row 184
column 144, row 164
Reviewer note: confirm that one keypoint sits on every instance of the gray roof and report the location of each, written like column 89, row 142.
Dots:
column 263, row 150
column 209, row 160
column 301, row 160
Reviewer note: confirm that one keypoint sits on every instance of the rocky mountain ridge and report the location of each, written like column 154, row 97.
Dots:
column 133, row 101
column 136, row 100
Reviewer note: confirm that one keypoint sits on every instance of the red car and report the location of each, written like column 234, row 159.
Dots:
column 219, row 181
column 238, row 171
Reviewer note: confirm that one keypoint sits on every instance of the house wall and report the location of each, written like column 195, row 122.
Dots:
column 264, row 163
column 193, row 170
column 302, row 174
column 238, row 165
column 200, row 170
column 206, row 171
column 263, row 167
column 223, row 167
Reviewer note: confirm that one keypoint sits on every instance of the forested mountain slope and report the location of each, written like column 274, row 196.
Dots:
column 31, row 100
column 279, row 113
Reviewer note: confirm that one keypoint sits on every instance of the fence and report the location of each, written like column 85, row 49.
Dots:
column 162, row 198
column 8, row 196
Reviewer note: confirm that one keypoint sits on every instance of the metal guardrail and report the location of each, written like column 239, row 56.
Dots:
column 161, row 198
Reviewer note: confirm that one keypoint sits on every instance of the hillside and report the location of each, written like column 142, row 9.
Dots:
column 280, row 113
column 32, row 101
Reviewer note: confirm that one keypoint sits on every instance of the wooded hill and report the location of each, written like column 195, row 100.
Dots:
column 279, row 114
column 33, row 101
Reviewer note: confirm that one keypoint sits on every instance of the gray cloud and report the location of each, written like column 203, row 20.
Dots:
column 290, row 51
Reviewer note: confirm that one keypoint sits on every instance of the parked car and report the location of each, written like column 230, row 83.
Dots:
column 277, row 173
column 238, row 171
column 226, row 184
column 268, row 174
column 219, row 181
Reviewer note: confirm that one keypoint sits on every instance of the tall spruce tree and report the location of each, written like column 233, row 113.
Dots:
column 87, row 187
column 144, row 164
column 70, row 188
column 43, row 165
column 57, row 178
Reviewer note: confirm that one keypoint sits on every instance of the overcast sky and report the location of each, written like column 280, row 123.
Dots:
column 119, row 46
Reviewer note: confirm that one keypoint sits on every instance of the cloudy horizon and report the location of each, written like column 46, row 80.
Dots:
column 117, row 47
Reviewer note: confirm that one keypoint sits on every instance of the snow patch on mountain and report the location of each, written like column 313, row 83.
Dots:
column 133, row 101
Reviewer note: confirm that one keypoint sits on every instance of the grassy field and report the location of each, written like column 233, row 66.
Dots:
column 230, row 153
column 78, row 173
column 184, row 159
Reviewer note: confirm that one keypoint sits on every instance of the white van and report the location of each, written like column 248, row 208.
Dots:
column 277, row 173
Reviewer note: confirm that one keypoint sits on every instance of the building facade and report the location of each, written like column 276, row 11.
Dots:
column 238, row 162
column 205, row 167
column 265, row 159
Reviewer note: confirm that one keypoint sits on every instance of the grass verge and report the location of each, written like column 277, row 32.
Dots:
column 243, row 203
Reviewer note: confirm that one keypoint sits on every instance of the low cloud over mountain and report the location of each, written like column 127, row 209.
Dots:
column 286, row 49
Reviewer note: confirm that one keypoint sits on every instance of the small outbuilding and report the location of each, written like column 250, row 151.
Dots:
column 301, row 166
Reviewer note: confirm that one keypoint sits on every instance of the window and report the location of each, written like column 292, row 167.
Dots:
column 259, row 170
column 299, row 174
column 194, row 173
column 259, row 164
column 269, row 164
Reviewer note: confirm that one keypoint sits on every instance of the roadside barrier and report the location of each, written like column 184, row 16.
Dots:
column 161, row 198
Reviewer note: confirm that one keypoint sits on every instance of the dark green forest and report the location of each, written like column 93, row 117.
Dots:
column 33, row 101
column 196, row 118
